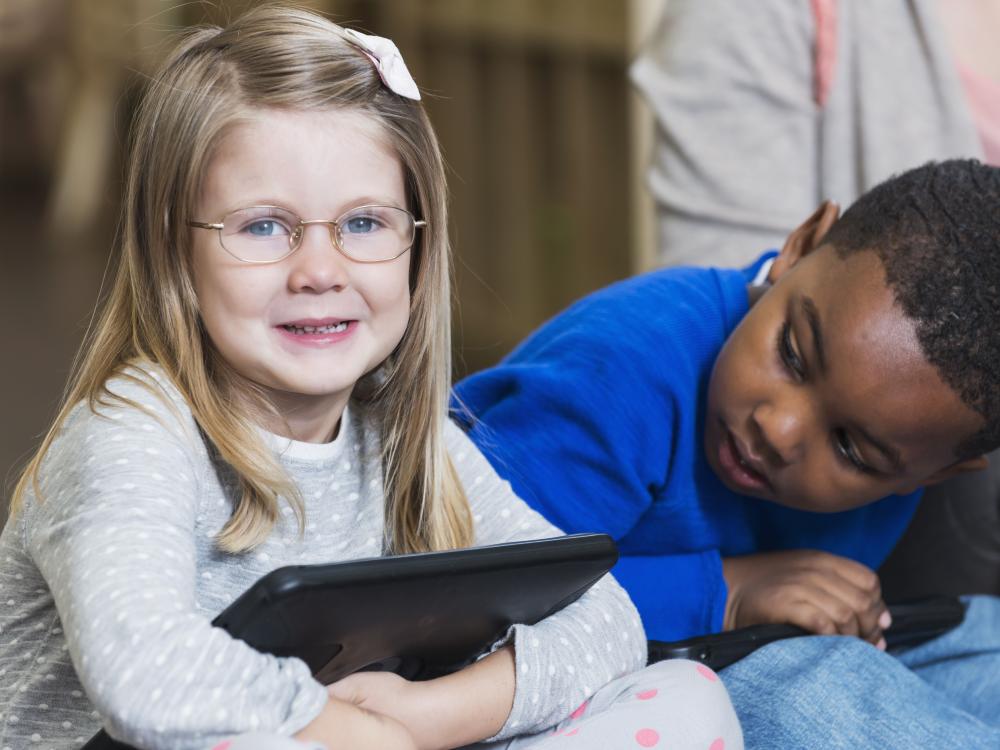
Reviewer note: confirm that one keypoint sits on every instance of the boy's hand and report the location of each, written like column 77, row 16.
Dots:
column 817, row 591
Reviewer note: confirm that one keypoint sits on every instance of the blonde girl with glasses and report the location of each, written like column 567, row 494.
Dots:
column 267, row 384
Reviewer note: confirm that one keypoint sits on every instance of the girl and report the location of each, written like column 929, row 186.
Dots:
column 267, row 385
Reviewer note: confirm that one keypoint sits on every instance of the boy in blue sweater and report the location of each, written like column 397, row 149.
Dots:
column 756, row 440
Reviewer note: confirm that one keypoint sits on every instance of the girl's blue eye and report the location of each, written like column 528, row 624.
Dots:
column 265, row 228
column 362, row 225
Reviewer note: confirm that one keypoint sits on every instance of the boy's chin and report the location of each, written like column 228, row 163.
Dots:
column 757, row 494
column 769, row 495
column 815, row 506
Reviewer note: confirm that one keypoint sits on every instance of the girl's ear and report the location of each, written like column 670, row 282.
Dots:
column 804, row 239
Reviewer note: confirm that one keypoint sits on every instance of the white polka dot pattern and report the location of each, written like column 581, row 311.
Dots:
column 108, row 585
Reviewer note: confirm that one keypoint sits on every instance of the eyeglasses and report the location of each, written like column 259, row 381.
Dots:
column 267, row 234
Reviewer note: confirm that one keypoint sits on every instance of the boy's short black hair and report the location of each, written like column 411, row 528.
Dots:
column 936, row 230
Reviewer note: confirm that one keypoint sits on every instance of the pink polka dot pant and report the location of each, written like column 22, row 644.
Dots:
column 672, row 705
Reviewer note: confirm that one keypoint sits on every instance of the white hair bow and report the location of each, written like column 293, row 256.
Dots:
column 388, row 62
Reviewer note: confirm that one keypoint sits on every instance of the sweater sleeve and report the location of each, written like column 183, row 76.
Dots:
column 584, row 423
column 679, row 595
column 735, row 154
column 113, row 535
column 580, row 434
column 562, row 660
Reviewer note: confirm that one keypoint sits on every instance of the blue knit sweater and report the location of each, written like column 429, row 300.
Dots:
column 597, row 421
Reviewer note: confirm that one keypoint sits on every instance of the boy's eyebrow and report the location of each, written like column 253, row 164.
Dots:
column 812, row 316
column 890, row 453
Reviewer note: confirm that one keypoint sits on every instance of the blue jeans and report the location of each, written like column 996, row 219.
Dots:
column 827, row 692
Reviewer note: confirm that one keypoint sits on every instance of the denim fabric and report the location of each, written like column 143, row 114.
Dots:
column 964, row 664
column 827, row 692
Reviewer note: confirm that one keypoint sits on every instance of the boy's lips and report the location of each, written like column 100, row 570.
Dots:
column 741, row 470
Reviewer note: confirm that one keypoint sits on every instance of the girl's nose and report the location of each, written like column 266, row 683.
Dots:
column 783, row 428
column 317, row 266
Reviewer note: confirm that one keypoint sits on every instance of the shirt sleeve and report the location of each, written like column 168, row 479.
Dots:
column 561, row 661
column 582, row 430
column 588, row 471
column 114, row 536
column 592, row 420
column 735, row 158
column 679, row 595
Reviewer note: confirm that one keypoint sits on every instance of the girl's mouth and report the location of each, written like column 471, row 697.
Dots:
column 317, row 333
column 330, row 328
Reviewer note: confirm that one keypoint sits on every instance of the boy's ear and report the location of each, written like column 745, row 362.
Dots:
column 959, row 467
column 804, row 239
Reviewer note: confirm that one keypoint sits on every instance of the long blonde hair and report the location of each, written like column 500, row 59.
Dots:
column 277, row 58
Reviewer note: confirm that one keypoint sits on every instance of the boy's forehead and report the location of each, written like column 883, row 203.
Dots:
column 860, row 274
column 862, row 323
column 875, row 369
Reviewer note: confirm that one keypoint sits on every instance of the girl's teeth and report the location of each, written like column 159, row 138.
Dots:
column 338, row 328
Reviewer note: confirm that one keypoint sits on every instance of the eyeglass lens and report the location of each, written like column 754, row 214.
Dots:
column 367, row 234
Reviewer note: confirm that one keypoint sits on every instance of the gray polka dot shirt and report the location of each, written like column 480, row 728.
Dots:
column 108, row 585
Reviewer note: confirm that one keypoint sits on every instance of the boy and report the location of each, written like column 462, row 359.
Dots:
column 663, row 409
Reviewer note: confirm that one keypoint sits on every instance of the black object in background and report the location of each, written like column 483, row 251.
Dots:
column 912, row 623
column 952, row 545
column 420, row 616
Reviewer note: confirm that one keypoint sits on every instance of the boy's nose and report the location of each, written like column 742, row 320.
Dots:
column 317, row 265
column 782, row 430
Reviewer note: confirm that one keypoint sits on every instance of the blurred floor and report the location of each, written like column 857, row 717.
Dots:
column 45, row 304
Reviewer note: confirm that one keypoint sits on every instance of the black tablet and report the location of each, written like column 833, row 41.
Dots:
column 420, row 615
column 913, row 622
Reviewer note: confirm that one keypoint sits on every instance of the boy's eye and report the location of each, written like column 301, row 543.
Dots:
column 786, row 352
column 848, row 453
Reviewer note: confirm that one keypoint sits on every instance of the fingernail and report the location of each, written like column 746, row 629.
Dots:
column 881, row 644
column 885, row 620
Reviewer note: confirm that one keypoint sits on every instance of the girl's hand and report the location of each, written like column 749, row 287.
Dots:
column 343, row 726
column 817, row 591
column 452, row 711
column 388, row 694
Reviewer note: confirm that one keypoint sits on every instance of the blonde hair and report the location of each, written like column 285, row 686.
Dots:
column 288, row 59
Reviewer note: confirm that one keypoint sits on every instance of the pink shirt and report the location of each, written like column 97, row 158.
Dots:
column 983, row 94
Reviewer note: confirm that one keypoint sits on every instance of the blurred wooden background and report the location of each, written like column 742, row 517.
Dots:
column 544, row 140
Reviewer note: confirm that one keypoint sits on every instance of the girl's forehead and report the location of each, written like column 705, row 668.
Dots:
column 315, row 152
column 317, row 129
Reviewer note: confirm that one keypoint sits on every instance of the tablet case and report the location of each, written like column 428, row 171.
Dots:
column 913, row 622
column 420, row 615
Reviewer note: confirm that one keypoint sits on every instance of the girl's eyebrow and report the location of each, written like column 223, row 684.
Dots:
column 812, row 317
column 274, row 202
column 350, row 205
